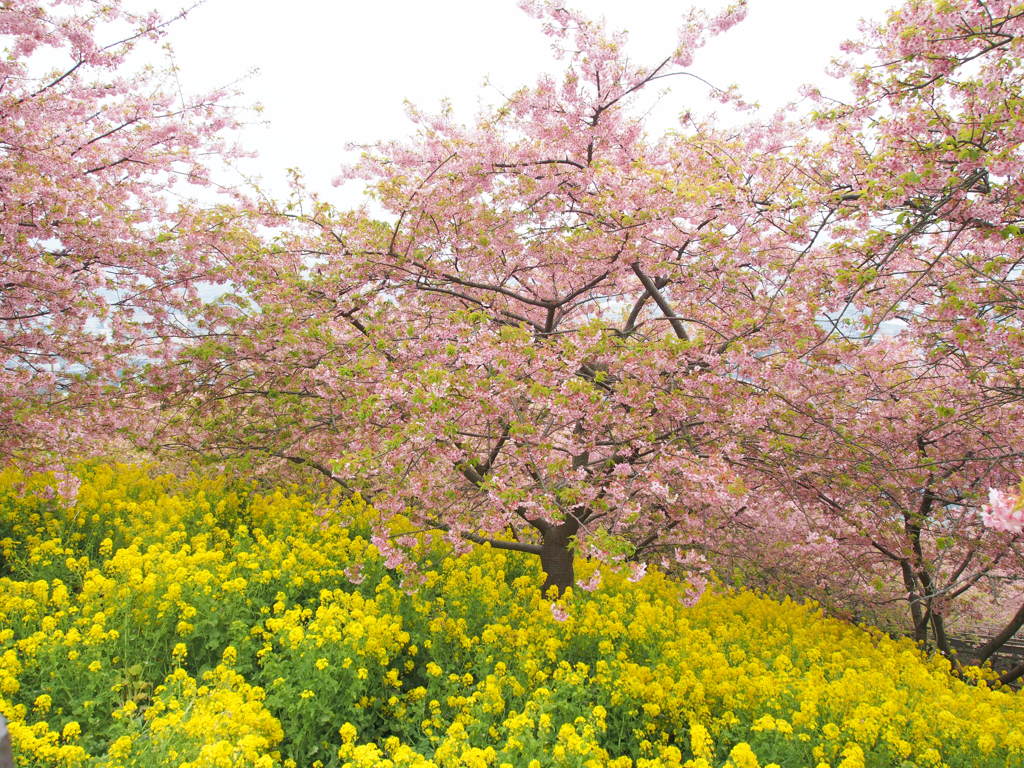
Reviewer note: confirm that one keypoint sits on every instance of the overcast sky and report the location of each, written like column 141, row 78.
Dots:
column 331, row 72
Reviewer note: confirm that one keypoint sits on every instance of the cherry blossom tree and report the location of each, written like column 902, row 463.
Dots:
column 791, row 347
column 529, row 348
column 907, row 407
column 881, row 457
column 97, row 154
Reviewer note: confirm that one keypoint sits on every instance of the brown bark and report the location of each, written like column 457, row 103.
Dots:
column 912, row 527
column 556, row 557
column 1014, row 673
column 997, row 642
column 917, row 615
column 556, row 560
column 941, row 639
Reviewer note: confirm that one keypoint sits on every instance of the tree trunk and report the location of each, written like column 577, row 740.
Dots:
column 941, row 640
column 556, row 557
column 912, row 528
column 920, row 620
column 1012, row 674
column 997, row 642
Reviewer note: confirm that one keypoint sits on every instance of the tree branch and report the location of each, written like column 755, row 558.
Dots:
column 662, row 302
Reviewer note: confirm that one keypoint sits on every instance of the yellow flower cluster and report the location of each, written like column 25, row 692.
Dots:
column 196, row 623
column 220, row 722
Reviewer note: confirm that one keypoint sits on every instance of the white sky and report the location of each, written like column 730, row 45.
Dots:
column 332, row 72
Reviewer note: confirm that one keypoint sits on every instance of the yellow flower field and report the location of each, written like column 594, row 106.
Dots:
column 192, row 623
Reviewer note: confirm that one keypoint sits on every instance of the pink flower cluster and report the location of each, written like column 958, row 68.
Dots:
column 559, row 612
column 1004, row 511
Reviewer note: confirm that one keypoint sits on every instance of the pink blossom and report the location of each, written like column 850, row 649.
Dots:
column 728, row 18
column 1004, row 511
column 354, row 573
column 639, row 571
column 696, row 586
column 559, row 612
column 592, row 583
column 393, row 556
column 67, row 487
